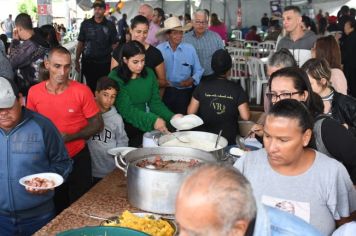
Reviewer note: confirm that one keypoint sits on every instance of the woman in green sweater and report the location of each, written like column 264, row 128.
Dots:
column 138, row 101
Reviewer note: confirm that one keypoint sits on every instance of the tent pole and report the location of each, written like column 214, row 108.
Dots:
column 224, row 11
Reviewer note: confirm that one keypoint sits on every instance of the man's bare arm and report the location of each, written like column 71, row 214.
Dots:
column 95, row 125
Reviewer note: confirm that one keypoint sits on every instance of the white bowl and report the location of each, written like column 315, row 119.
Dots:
column 186, row 122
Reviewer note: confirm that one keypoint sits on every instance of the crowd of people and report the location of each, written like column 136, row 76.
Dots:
column 138, row 76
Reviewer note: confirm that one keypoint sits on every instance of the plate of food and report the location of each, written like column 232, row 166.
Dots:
column 186, row 122
column 42, row 181
column 151, row 224
column 122, row 150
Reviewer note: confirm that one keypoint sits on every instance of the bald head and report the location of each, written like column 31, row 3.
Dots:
column 213, row 199
column 146, row 10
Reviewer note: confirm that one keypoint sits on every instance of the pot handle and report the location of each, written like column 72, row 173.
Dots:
column 118, row 165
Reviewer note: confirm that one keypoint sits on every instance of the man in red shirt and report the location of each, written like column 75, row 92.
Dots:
column 71, row 106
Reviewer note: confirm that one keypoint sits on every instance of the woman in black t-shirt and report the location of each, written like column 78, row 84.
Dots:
column 154, row 59
column 218, row 101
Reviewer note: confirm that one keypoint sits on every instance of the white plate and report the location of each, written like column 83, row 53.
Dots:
column 186, row 122
column 123, row 150
column 56, row 178
column 236, row 151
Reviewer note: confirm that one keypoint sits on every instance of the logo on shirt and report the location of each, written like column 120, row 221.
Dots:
column 104, row 136
column 300, row 209
column 217, row 106
column 70, row 110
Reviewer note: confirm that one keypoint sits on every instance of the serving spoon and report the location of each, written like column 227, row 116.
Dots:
column 218, row 139
column 241, row 142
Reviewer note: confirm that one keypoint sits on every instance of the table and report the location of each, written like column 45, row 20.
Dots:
column 107, row 198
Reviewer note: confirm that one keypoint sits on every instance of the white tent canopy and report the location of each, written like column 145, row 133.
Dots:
column 252, row 10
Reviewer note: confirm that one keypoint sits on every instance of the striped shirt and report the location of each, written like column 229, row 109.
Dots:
column 205, row 46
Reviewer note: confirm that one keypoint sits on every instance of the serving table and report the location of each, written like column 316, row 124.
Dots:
column 107, row 198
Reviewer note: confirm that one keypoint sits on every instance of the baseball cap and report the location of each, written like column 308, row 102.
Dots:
column 99, row 3
column 8, row 92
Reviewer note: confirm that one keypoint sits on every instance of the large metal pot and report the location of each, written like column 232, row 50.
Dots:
column 198, row 135
column 156, row 190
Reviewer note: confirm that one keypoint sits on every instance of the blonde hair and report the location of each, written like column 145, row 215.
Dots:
column 318, row 69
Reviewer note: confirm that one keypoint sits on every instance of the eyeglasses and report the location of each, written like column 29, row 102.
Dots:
column 200, row 22
column 275, row 97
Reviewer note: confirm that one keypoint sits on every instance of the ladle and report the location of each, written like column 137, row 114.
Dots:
column 218, row 139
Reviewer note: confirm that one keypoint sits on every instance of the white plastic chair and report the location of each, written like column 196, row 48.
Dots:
column 257, row 76
column 236, row 34
column 250, row 43
column 239, row 70
column 266, row 48
column 239, row 43
column 234, row 52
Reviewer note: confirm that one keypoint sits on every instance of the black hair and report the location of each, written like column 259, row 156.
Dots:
column 139, row 20
column 352, row 23
column 49, row 34
column 293, row 8
column 254, row 28
column 105, row 83
column 187, row 16
column 344, row 10
column 221, row 62
column 58, row 49
column 127, row 51
column 293, row 109
column 352, row 12
column 24, row 20
column 3, row 38
column 309, row 23
column 301, row 83
column 161, row 14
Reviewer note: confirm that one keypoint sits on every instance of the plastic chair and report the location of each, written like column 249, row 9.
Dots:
column 257, row 76
column 237, row 43
column 250, row 43
column 239, row 70
column 266, row 48
column 234, row 52
column 236, row 34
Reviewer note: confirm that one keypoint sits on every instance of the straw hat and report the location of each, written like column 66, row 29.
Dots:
column 173, row 23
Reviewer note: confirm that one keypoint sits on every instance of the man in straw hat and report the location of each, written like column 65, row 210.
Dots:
column 182, row 64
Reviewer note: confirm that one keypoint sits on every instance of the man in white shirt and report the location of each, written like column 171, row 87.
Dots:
column 8, row 26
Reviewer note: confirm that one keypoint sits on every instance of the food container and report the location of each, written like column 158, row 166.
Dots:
column 148, row 139
column 197, row 138
column 102, row 230
column 155, row 190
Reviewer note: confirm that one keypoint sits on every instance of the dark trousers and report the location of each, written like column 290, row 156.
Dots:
column 135, row 135
column 177, row 100
column 79, row 181
column 12, row 226
column 94, row 71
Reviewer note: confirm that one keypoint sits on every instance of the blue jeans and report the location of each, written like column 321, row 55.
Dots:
column 12, row 226
column 9, row 35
